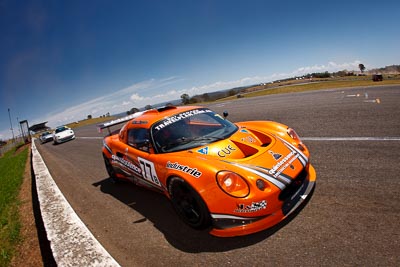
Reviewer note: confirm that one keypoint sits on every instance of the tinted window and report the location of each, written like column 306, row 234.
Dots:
column 139, row 138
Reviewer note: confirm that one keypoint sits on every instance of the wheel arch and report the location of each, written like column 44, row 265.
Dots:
column 206, row 220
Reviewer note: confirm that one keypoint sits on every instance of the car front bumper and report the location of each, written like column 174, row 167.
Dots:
column 236, row 226
column 64, row 139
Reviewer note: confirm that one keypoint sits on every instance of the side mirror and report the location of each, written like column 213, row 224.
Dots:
column 225, row 114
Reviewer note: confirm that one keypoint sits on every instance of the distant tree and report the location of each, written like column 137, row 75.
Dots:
column 134, row 110
column 361, row 67
column 341, row 73
column 231, row 92
column 2, row 143
column 321, row 74
column 108, row 114
column 89, row 117
column 185, row 99
column 206, row 97
column 193, row 100
column 147, row 107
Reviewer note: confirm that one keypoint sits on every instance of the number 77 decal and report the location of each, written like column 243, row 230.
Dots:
column 148, row 171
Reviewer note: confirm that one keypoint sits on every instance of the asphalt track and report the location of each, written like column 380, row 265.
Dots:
column 352, row 218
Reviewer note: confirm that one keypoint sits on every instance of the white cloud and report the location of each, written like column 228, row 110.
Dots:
column 136, row 97
column 116, row 102
column 148, row 92
column 330, row 67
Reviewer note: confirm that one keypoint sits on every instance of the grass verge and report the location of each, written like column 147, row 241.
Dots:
column 89, row 122
column 316, row 85
column 12, row 166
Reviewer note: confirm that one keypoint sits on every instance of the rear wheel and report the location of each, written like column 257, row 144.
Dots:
column 188, row 204
column 110, row 170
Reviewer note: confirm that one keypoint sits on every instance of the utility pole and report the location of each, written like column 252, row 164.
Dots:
column 9, row 116
column 20, row 128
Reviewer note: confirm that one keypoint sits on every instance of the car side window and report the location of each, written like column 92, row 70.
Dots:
column 139, row 139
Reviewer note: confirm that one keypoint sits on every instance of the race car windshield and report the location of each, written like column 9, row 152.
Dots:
column 190, row 129
column 60, row 129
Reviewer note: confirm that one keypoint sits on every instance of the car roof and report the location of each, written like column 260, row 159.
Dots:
column 146, row 118
column 151, row 116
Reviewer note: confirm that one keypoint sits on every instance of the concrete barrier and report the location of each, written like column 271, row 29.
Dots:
column 71, row 241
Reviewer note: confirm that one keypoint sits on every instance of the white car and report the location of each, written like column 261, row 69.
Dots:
column 62, row 134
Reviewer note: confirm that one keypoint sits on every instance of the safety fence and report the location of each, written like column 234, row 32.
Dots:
column 11, row 144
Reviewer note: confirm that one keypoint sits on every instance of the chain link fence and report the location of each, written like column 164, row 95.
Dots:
column 11, row 144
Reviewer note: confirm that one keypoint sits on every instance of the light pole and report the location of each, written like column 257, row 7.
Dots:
column 9, row 116
column 19, row 129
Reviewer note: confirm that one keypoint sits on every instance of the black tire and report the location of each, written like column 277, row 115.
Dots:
column 188, row 204
column 110, row 170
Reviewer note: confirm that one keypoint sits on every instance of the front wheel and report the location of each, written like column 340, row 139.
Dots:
column 188, row 204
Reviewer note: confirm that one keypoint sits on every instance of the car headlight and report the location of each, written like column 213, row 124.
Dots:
column 292, row 133
column 233, row 184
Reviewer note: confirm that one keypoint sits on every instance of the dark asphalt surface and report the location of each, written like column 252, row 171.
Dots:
column 352, row 218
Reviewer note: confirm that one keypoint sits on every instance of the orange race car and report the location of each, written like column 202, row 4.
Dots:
column 233, row 178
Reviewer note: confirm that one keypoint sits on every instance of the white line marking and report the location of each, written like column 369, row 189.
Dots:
column 71, row 241
column 387, row 138
column 357, row 95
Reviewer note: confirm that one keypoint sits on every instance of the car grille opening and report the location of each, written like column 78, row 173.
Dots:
column 294, row 186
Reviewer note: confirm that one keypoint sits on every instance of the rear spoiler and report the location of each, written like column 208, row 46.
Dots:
column 117, row 121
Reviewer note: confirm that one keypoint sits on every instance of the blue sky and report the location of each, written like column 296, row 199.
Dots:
column 63, row 60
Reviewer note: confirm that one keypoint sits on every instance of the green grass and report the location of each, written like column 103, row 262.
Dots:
column 89, row 122
column 12, row 167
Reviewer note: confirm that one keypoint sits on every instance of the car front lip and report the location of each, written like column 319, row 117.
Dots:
column 66, row 138
column 229, row 227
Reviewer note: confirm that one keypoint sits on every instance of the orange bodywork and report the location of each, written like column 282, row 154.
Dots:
column 249, row 175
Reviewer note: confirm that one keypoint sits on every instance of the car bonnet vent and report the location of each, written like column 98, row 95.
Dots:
column 159, row 110
column 165, row 108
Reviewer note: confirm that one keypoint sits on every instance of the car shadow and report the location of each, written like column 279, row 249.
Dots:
column 157, row 208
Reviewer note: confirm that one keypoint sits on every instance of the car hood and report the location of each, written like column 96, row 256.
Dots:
column 261, row 153
column 65, row 133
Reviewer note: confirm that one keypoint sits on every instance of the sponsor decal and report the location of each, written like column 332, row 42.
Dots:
column 302, row 158
column 203, row 150
column 121, row 120
column 226, row 151
column 278, row 168
column 181, row 116
column 140, row 122
column 275, row 155
column 248, row 139
column 127, row 164
column 146, row 170
column 186, row 169
column 253, row 207
column 243, row 131
column 149, row 171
